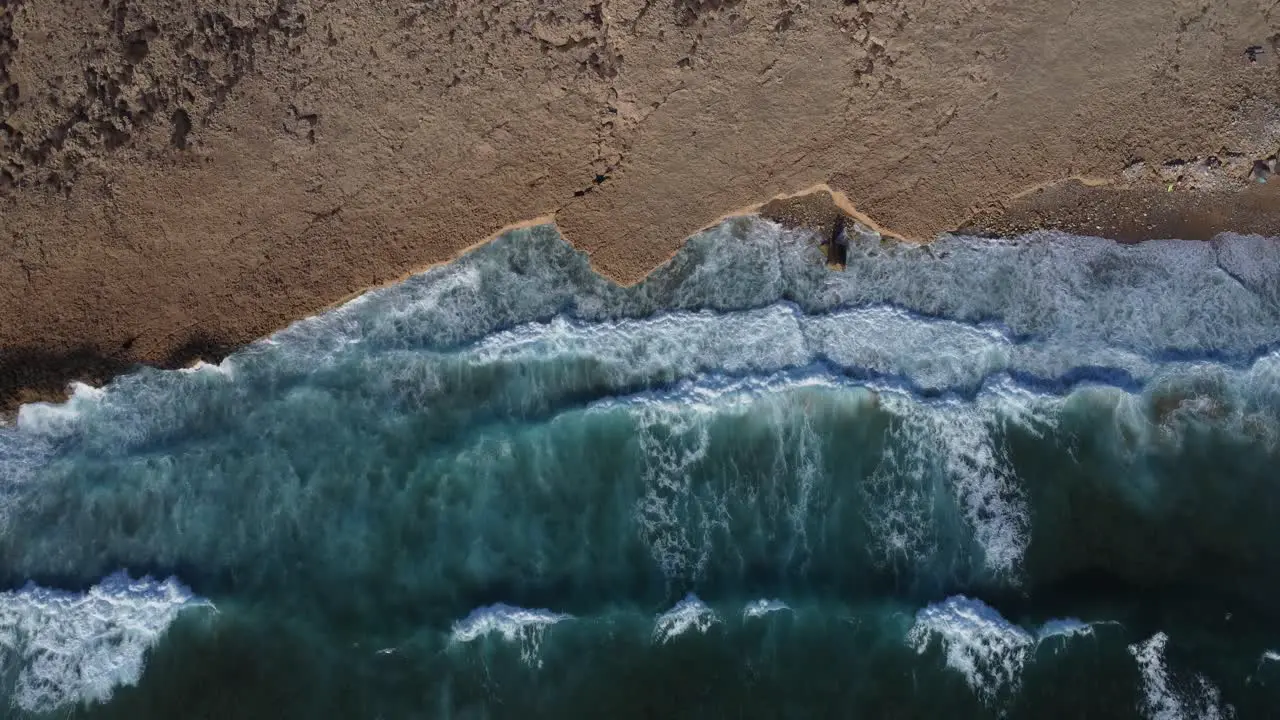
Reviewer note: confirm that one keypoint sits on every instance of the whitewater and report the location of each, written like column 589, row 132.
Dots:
column 1029, row 477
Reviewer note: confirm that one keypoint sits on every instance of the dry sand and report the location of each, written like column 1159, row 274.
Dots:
column 180, row 177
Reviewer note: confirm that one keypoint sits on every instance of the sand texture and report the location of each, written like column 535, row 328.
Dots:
column 180, row 177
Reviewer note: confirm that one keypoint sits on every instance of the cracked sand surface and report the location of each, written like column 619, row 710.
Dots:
column 177, row 178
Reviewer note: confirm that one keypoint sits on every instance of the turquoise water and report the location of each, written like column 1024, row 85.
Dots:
column 1021, row 478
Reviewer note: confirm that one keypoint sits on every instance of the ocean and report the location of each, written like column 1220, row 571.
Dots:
column 1026, row 478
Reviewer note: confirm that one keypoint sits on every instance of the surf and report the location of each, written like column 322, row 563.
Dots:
column 512, row 453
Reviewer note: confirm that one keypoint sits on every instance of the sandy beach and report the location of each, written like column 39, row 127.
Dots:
column 178, row 179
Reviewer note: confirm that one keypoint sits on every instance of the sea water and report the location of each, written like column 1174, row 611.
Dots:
column 1036, row 477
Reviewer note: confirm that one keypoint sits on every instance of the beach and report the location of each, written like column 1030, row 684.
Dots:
column 180, row 180
column 639, row 359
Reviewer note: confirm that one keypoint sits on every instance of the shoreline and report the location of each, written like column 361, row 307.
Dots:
column 44, row 375
column 171, row 189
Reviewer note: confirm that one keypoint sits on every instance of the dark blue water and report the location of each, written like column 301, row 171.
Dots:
column 1033, row 478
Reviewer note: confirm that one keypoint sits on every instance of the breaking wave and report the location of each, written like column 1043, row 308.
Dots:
column 59, row 648
column 1008, row 470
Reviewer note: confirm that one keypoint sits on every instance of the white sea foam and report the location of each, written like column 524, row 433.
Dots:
column 1159, row 702
column 713, row 393
column 762, row 607
column 64, row 648
column 1166, row 699
column 935, row 354
column 977, row 642
column 899, row 499
column 1065, row 628
column 961, row 435
column 451, row 289
column 518, row 625
column 738, row 342
column 675, row 522
column 224, row 368
column 52, row 419
column 690, row 614
column 1050, row 284
column 982, row 645
column 932, row 354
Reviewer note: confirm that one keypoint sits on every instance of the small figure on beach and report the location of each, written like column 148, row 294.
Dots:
column 838, row 244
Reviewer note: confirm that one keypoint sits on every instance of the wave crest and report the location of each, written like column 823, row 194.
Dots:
column 65, row 648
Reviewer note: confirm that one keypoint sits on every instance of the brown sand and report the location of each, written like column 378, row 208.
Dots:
column 1136, row 214
column 178, row 177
